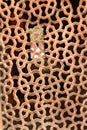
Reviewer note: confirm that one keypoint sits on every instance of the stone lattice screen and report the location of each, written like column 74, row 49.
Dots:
column 43, row 64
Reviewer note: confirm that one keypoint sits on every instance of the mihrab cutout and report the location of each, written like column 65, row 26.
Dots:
column 37, row 42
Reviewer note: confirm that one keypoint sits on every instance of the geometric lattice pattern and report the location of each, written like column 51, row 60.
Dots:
column 43, row 64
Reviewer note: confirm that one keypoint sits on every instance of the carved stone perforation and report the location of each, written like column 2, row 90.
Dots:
column 43, row 64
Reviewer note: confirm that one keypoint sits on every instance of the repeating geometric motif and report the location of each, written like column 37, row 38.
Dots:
column 43, row 64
